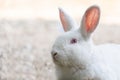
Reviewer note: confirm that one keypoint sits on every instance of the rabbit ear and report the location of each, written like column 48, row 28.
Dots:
column 90, row 20
column 67, row 22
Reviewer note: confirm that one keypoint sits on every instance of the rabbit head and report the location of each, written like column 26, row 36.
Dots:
column 74, row 47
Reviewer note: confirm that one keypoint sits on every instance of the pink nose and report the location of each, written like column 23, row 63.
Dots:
column 54, row 54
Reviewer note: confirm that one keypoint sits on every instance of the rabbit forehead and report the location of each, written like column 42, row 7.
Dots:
column 67, row 36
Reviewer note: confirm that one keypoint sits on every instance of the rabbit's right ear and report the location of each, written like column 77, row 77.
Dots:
column 90, row 20
column 67, row 22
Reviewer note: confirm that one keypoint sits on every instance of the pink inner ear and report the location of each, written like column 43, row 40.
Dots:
column 92, row 18
column 63, row 20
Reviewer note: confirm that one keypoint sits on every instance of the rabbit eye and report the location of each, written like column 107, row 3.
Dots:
column 73, row 41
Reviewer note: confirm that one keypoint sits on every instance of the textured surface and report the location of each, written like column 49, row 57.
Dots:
column 25, row 47
column 25, row 50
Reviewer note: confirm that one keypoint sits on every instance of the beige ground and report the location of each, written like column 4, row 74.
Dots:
column 25, row 50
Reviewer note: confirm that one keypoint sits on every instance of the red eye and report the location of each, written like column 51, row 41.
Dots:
column 73, row 41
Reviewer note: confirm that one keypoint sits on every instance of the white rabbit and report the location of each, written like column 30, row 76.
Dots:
column 75, row 55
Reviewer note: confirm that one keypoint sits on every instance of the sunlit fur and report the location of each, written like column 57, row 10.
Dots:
column 84, row 60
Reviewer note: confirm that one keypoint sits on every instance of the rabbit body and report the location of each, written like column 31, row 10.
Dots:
column 75, row 55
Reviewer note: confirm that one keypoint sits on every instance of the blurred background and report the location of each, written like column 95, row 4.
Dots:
column 28, row 28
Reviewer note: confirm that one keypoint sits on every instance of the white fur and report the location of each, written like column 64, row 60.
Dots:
column 84, row 60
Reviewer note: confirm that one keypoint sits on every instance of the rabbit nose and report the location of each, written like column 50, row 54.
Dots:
column 54, row 54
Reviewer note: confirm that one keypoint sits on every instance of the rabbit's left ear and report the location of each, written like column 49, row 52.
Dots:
column 90, row 20
column 68, row 22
